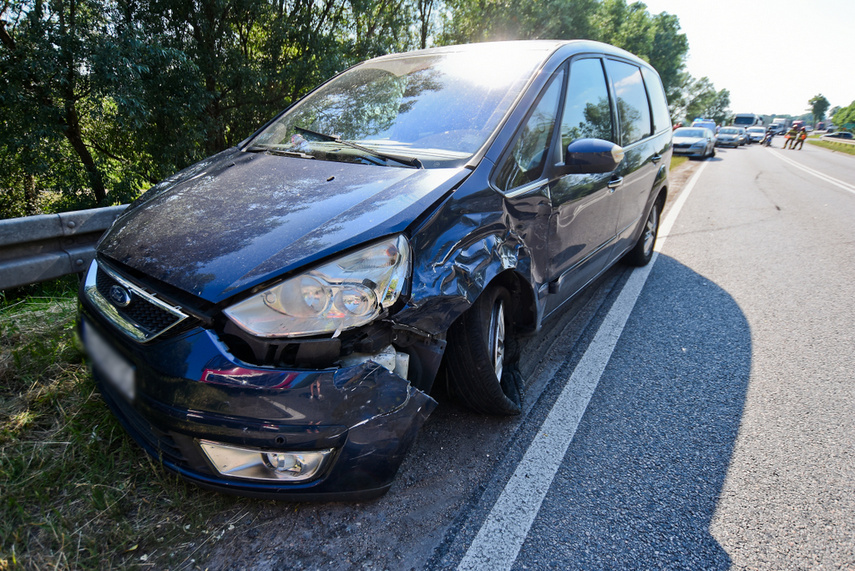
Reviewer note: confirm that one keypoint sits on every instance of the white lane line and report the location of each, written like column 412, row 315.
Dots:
column 501, row 537
column 836, row 182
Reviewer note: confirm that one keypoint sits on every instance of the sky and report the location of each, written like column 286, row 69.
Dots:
column 772, row 56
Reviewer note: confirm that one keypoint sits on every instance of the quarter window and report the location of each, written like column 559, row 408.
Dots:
column 658, row 102
column 529, row 153
column 632, row 104
column 587, row 111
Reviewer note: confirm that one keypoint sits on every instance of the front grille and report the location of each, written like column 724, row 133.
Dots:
column 137, row 312
column 148, row 317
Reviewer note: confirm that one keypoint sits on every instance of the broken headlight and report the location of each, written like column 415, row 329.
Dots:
column 342, row 294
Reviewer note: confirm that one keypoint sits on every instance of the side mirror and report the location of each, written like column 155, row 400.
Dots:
column 591, row 156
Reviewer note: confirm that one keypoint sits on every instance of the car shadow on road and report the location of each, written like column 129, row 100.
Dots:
column 639, row 485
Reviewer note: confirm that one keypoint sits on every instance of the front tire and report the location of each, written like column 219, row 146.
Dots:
column 481, row 356
column 642, row 252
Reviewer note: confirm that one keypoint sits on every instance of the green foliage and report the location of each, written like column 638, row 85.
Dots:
column 100, row 100
column 491, row 20
column 818, row 106
column 845, row 115
column 655, row 38
column 838, row 146
column 700, row 99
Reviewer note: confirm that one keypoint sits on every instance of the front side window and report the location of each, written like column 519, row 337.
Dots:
column 528, row 157
column 587, row 111
column 632, row 104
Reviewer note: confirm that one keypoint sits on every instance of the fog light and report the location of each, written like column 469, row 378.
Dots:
column 284, row 462
column 253, row 464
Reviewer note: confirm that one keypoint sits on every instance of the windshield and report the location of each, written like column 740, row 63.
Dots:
column 694, row 133
column 433, row 109
column 756, row 130
column 744, row 120
column 727, row 131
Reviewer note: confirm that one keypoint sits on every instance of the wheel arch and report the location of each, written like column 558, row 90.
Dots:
column 449, row 284
column 524, row 310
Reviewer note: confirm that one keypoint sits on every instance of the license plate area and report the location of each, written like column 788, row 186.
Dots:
column 115, row 369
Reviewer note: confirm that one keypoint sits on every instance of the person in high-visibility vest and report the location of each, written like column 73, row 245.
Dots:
column 799, row 141
column 790, row 137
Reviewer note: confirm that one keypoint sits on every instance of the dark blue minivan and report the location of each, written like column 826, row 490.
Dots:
column 271, row 320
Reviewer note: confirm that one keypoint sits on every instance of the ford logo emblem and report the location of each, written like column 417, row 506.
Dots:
column 120, row 296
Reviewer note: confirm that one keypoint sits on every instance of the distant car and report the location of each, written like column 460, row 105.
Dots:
column 729, row 137
column 694, row 142
column 838, row 135
column 756, row 134
column 705, row 124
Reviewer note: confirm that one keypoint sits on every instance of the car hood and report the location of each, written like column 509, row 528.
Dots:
column 240, row 219
column 687, row 140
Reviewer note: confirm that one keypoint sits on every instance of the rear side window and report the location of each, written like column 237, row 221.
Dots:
column 661, row 114
column 632, row 104
column 587, row 111
column 526, row 161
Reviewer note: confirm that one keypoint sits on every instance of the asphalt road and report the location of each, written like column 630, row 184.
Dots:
column 719, row 432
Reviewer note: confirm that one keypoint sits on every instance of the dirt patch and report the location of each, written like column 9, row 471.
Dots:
column 678, row 178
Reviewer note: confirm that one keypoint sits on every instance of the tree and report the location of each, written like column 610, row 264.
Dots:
column 845, row 117
column 704, row 101
column 818, row 106
column 99, row 100
column 656, row 39
column 46, row 59
column 102, row 99
column 489, row 20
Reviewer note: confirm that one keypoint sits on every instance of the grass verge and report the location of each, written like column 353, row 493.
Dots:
column 847, row 148
column 677, row 161
column 75, row 491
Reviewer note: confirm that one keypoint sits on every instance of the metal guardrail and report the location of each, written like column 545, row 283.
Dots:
column 833, row 140
column 38, row 248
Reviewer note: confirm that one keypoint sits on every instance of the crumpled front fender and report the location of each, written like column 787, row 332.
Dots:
column 470, row 239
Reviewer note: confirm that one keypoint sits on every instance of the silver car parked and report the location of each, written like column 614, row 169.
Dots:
column 694, row 142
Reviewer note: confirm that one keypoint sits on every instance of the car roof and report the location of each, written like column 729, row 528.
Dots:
column 563, row 48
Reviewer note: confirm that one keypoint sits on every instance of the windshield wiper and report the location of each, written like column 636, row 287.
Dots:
column 279, row 152
column 407, row 161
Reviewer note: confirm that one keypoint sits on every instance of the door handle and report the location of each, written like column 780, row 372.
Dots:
column 614, row 183
column 655, row 159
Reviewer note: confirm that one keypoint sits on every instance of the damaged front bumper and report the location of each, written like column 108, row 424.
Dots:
column 337, row 433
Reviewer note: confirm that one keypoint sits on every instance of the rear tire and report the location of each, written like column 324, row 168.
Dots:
column 481, row 356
